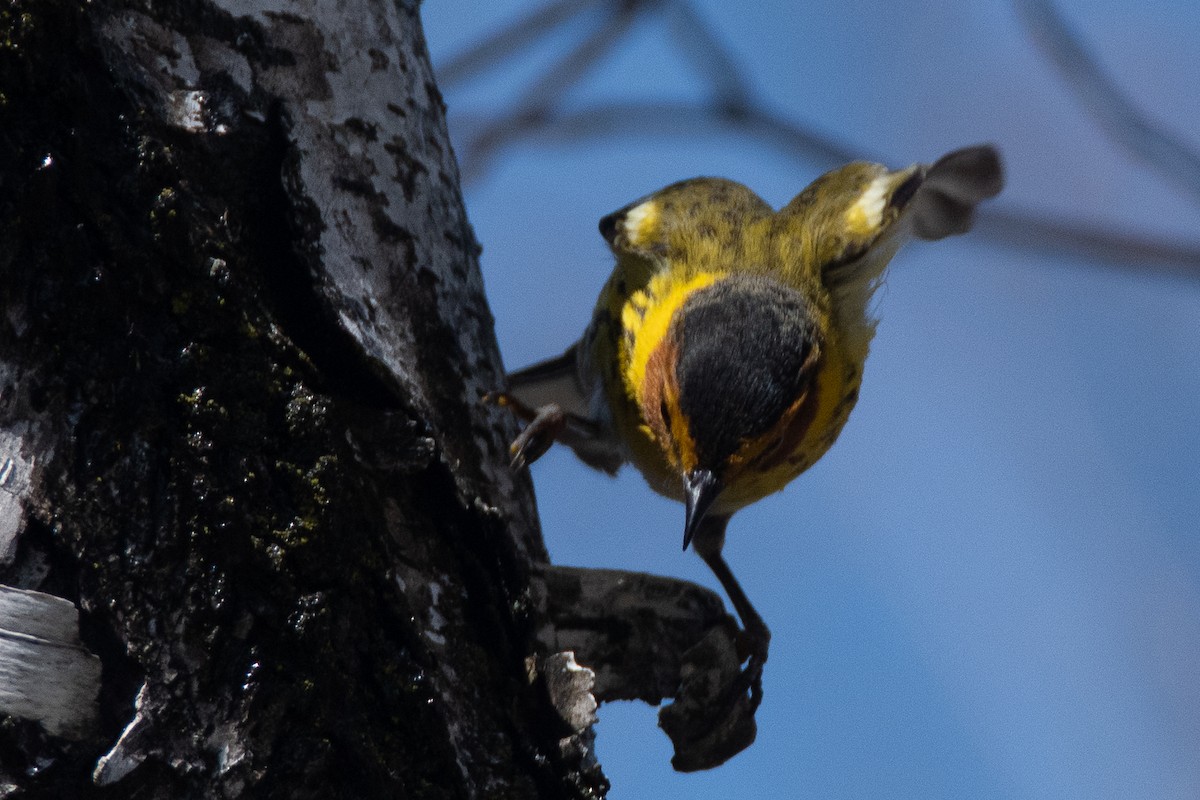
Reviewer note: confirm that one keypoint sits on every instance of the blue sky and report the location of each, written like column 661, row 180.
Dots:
column 990, row 587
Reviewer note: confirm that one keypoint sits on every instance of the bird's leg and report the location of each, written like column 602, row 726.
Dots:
column 545, row 425
column 756, row 636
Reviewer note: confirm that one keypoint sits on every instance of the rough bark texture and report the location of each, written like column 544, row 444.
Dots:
column 242, row 342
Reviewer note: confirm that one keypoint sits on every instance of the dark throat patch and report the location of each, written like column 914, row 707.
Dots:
column 744, row 359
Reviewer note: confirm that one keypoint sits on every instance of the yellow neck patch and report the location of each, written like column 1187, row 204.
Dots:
column 646, row 318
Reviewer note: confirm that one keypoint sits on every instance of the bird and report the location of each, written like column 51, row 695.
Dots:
column 726, row 350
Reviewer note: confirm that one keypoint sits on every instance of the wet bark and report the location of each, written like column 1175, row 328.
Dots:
column 242, row 344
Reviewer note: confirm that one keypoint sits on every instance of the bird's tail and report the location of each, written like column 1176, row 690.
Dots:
column 953, row 186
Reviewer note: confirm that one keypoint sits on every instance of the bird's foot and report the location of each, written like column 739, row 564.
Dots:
column 753, row 644
column 532, row 443
column 545, row 425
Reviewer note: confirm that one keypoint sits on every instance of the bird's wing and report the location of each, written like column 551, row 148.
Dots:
column 555, row 380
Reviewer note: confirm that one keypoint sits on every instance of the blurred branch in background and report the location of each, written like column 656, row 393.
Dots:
column 731, row 106
column 539, row 111
column 1114, row 111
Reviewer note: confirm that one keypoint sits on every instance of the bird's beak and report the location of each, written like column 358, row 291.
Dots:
column 701, row 488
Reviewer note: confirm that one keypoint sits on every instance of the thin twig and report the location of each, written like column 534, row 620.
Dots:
column 510, row 40
column 1036, row 232
column 710, row 57
column 655, row 118
column 539, row 114
column 1011, row 227
column 536, row 103
column 1114, row 111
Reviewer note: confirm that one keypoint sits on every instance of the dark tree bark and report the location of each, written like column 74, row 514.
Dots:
column 242, row 345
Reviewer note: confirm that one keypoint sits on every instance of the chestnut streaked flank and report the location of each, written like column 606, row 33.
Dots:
column 726, row 351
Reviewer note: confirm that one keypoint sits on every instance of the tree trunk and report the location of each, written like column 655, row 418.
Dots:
column 242, row 346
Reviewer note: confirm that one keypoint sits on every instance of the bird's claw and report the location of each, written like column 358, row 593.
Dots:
column 753, row 644
column 532, row 443
column 545, row 425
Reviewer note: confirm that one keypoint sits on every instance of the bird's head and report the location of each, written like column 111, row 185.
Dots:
column 729, row 391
